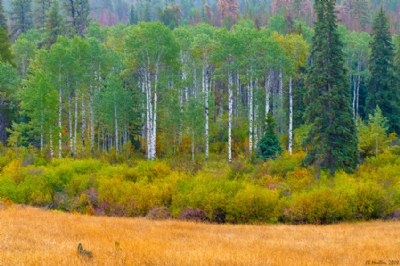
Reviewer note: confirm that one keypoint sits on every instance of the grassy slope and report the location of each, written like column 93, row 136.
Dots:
column 31, row 236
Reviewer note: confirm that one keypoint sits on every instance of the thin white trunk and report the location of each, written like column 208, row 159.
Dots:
column 267, row 93
column 290, row 116
column 116, row 126
column 354, row 88
column 358, row 88
column 59, row 117
column 255, row 131
column 154, row 135
column 83, row 129
column 91, row 114
column 51, row 143
column 206, row 107
column 148, row 114
column 250, row 89
column 75, row 123
column 70, row 124
column 230, row 104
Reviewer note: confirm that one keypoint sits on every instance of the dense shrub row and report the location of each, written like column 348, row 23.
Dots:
column 275, row 191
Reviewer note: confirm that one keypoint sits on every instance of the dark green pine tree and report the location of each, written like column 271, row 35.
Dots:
column 133, row 18
column 3, row 19
column 40, row 13
column 53, row 24
column 332, row 140
column 21, row 16
column 269, row 146
column 77, row 16
column 5, row 47
column 382, row 89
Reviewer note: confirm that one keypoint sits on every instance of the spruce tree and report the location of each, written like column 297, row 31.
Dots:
column 53, row 24
column 133, row 18
column 21, row 16
column 332, row 140
column 77, row 16
column 382, row 90
column 3, row 19
column 269, row 146
column 40, row 13
column 5, row 47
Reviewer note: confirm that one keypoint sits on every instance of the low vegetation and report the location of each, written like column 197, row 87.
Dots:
column 279, row 190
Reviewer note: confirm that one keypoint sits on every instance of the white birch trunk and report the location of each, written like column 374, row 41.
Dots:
column 250, row 89
column 75, row 123
column 116, row 126
column 267, row 94
column 206, row 108
column 290, row 116
column 59, row 114
column 70, row 124
column 230, row 104
column 154, row 127
column 83, row 129
column 51, row 143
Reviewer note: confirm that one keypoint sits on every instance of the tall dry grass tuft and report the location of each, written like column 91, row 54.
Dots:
column 31, row 236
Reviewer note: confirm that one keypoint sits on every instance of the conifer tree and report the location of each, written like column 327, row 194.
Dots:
column 5, row 47
column 382, row 90
column 133, row 18
column 269, row 146
column 332, row 139
column 40, row 13
column 3, row 19
column 21, row 16
column 53, row 24
column 77, row 15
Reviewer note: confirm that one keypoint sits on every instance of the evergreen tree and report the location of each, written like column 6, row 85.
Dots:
column 269, row 146
column 40, row 13
column 53, row 24
column 5, row 47
column 332, row 139
column 382, row 90
column 21, row 16
column 77, row 16
column 133, row 18
column 3, row 19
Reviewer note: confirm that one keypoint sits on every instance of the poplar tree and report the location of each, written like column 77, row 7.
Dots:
column 382, row 90
column 332, row 140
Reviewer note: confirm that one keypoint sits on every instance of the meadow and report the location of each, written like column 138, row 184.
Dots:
column 31, row 236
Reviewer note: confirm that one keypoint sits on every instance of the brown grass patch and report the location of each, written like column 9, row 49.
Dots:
column 31, row 236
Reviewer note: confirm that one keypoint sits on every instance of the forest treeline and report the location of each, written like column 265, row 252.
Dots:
column 73, row 88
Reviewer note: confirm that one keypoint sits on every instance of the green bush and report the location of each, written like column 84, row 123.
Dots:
column 253, row 204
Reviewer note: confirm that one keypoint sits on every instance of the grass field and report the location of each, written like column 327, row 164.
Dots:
column 31, row 236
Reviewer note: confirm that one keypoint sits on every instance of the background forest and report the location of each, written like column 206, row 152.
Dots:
column 214, row 89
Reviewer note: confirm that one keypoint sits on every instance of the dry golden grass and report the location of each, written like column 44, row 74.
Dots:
column 31, row 236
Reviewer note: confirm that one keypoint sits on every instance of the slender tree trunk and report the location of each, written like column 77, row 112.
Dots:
column 83, row 129
column 51, row 143
column 91, row 114
column 70, row 124
column 206, row 108
column 116, row 126
column 290, row 116
column 358, row 88
column 60, row 119
column 280, row 101
column 154, row 136
column 267, row 93
column 354, row 89
column 230, row 116
column 75, row 123
column 250, row 97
